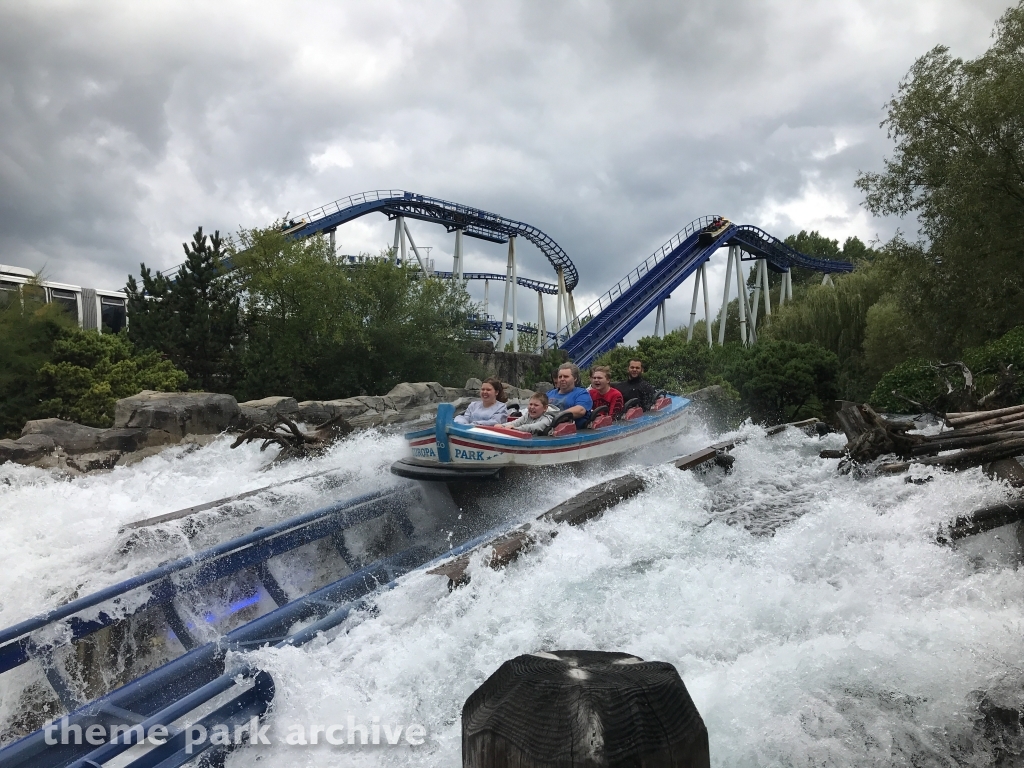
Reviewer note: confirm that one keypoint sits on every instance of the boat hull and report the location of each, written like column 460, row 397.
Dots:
column 471, row 450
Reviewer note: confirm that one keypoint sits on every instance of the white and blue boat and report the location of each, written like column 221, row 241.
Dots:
column 451, row 451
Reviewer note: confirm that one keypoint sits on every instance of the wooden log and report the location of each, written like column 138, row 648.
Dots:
column 797, row 424
column 970, row 457
column 984, row 519
column 851, row 419
column 564, row 709
column 973, row 417
column 933, row 447
column 576, row 510
column 1013, row 421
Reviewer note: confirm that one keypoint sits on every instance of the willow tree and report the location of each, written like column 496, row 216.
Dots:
column 958, row 167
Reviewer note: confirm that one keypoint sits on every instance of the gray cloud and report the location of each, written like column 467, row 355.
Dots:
column 609, row 125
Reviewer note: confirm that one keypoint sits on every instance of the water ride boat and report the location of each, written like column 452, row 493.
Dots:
column 451, row 451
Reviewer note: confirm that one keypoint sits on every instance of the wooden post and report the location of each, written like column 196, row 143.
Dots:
column 570, row 709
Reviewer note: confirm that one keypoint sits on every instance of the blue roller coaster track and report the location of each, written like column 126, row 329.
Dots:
column 472, row 221
column 615, row 313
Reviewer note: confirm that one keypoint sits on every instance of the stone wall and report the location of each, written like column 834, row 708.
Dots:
column 147, row 422
column 521, row 369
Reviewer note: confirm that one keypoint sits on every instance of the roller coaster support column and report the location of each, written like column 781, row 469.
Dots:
column 559, row 303
column 660, row 328
column 786, row 288
column 487, row 298
column 725, row 300
column 573, row 317
column 741, row 294
column 693, row 306
column 423, row 264
column 542, row 331
column 827, row 280
column 457, row 268
column 399, row 249
column 510, row 292
column 334, row 245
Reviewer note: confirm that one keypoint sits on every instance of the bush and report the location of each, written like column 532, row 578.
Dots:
column 775, row 380
column 916, row 379
column 89, row 372
column 782, row 381
column 26, row 343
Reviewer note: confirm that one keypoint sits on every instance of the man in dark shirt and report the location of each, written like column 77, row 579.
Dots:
column 636, row 386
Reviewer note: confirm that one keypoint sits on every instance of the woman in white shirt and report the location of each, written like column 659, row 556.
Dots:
column 489, row 409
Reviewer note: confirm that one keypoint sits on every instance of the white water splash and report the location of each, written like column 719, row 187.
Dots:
column 813, row 617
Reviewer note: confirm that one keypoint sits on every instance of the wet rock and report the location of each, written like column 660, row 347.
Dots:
column 264, row 411
column 72, row 437
column 27, row 449
column 406, row 395
column 348, row 407
column 128, row 440
column 90, row 462
column 314, row 412
column 178, row 413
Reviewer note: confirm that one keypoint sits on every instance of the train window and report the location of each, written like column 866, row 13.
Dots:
column 8, row 293
column 112, row 313
column 67, row 299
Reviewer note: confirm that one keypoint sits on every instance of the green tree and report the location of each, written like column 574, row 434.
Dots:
column 28, row 329
column 90, row 371
column 958, row 166
column 194, row 319
column 320, row 328
column 779, row 380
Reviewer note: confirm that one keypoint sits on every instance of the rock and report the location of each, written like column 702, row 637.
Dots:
column 26, row 449
column 543, row 386
column 347, row 408
column 128, row 440
column 473, row 385
column 264, row 410
column 315, row 412
column 178, row 413
column 89, row 462
column 453, row 393
column 406, row 395
column 72, row 437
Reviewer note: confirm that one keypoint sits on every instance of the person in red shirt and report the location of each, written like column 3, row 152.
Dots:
column 601, row 391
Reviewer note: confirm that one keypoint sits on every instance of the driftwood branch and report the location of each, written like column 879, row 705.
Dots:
column 294, row 442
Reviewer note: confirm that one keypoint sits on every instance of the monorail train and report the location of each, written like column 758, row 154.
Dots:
column 95, row 309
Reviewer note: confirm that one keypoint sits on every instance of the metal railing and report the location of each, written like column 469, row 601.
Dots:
column 633, row 277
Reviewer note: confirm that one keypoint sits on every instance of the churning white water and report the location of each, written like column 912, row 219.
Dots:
column 812, row 616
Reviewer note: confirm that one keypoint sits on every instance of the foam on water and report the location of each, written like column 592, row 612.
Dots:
column 812, row 616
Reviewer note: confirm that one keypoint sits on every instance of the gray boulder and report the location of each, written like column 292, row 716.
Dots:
column 473, row 385
column 132, row 439
column 264, row 411
column 315, row 412
column 178, row 413
column 349, row 407
column 72, row 437
column 410, row 395
column 26, row 449
column 89, row 462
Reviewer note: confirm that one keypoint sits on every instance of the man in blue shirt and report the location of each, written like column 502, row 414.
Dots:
column 568, row 396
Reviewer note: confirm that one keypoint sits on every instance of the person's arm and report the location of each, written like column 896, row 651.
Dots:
column 541, row 425
column 582, row 404
column 499, row 416
column 467, row 416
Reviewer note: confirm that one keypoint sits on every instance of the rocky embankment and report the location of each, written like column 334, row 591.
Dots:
column 148, row 422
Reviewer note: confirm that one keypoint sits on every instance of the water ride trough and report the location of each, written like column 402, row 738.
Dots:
column 450, row 451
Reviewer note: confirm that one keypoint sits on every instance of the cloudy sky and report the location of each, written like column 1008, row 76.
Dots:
column 607, row 124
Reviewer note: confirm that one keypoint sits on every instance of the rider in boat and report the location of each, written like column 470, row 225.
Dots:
column 568, row 395
column 636, row 387
column 601, row 391
column 489, row 409
column 538, row 416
